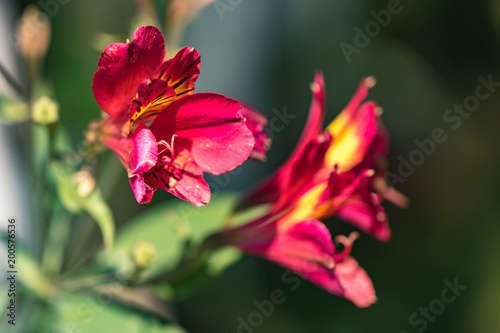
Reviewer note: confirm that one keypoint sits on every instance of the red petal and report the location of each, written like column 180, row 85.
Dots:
column 123, row 66
column 143, row 192
column 181, row 71
column 211, row 127
column 308, row 250
column 350, row 198
column 364, row 211
column 152, row 97
column 347, row 115
column 314, row 125
column 350, row 146
column 256, row 123
column 144, row 150
column 181, row 177
column 270, row 189
column 355, row 282
column 303, row 173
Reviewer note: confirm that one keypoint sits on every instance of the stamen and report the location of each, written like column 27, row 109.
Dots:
column 170, row 146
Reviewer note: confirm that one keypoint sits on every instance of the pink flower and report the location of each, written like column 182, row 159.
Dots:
column 352, row 152
column 338, row 172
column 188, row 133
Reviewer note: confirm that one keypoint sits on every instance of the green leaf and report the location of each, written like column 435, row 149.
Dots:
column 90, row 313
column 31, row 276
column 206, row 220
column 155, row 226
column 167, row 227
column 93, row 204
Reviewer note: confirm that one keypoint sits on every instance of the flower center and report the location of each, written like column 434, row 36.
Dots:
column 168, row 166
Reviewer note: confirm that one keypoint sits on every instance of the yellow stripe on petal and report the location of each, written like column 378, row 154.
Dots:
column 345, row 150
column 305, row 207
column 352, row 130
column 150, row 99
column 180, row 72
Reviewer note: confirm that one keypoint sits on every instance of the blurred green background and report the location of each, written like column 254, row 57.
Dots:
column 265, row 53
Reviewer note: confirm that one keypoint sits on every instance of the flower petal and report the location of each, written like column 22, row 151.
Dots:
column 307, row 249
column 143, row 192
column 355, row 283
column 349, row 197
column 144, row 150
column 256, row 123
column 317, row 111
column 181, row 177
column 123, row 66
column 152, row 97
column 364, row 211
column 350, row 146
column 347, row 115
column 181, row 71
column 269, row 190
column 211, row 127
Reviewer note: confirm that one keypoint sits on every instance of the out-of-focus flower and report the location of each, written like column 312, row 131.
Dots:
column 352, row 152
column 333, row 173
column 33, row 33
column 188, row 133
column 45, row 110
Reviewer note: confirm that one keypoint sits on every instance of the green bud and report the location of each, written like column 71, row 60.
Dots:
column 143, row 254
column 45, row 110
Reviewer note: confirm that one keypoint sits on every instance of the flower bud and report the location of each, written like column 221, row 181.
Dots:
column 33, row 33
column 143, row 254
column 85, row 181
column 45, row 110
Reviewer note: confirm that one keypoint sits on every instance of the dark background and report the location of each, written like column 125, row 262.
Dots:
column 427, row 58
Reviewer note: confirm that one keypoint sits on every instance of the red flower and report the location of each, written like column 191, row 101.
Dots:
column 352, row 152
column 338, row 172
column 189, row 133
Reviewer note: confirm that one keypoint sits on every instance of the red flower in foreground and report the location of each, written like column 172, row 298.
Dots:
column 338, row 172
column 188, row 133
